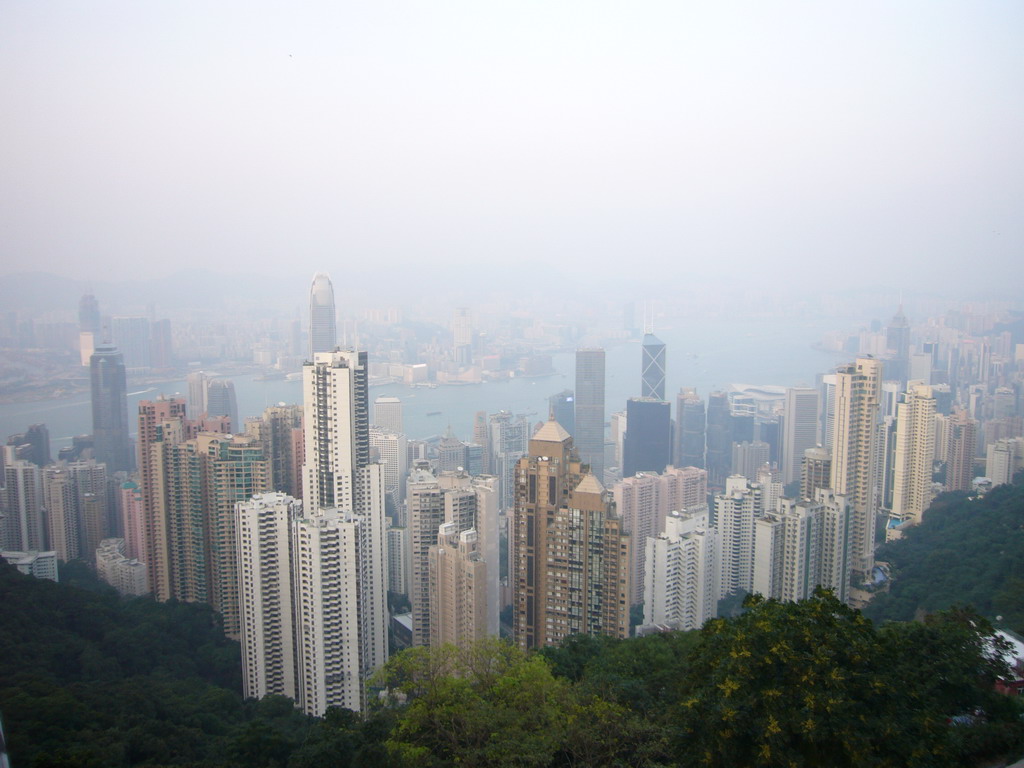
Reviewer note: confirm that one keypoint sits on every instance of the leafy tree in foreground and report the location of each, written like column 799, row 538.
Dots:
column 491, row 705
column 814, row 684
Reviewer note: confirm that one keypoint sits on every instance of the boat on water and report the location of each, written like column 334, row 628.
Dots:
column 433, row 413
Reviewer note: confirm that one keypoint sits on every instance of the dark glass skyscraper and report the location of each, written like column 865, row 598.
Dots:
column 690, row 427
column 562, row 409
column 110, row 409
column 647, row 446
column 719, row 439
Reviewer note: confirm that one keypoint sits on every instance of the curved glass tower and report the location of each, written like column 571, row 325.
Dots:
column 323, row 329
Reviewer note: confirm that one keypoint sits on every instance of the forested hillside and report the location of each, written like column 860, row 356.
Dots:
column 965, row 552
column 87, row 679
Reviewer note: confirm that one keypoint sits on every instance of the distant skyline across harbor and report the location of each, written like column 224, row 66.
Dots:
column 708, row 356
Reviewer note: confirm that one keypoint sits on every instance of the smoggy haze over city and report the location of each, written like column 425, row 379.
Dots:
column 863, row 146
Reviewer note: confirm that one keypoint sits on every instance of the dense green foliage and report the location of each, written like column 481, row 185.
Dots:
column 965, row 552
column 815, row 684
column 87, row 679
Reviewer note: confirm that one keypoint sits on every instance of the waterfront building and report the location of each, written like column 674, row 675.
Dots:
column 132, row 336
column 111, row 444
column 589, row 416
column 462, row 336
column 323, row 327
column 387, row 415
column 197, row 381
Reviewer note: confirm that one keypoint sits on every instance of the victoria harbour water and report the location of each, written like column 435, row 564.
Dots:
column 705, row 355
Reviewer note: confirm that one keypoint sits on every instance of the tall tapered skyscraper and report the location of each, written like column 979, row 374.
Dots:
column 221, row 401
column 323, row 328
column 652, row 367
column 589, row 436
column 110, row 409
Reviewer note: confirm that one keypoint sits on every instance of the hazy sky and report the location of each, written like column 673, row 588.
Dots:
column 877, row 143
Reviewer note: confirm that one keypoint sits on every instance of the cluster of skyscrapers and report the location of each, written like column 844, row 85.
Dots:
column 298, row 524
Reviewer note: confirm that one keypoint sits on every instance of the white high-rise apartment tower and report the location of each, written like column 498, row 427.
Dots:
column 915, row 453
column 343, row 494
column 857, row 396
column 682, row 571
column 263, row 535
column 804, row 545
column 323, row 324
column 643, row 503
column 735, row 512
